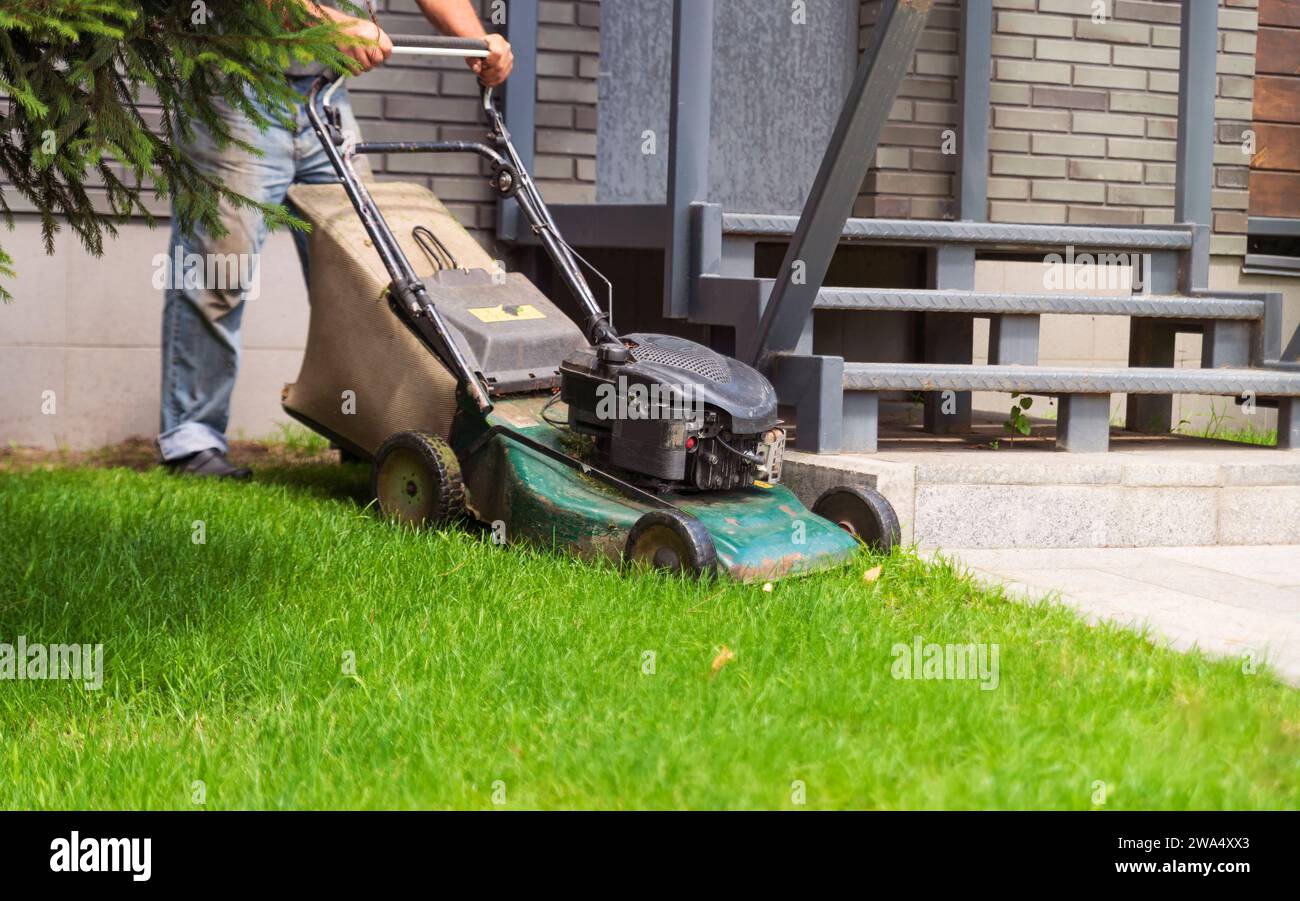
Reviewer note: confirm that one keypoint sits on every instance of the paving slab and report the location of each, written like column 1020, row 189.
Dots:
column 1227, row 601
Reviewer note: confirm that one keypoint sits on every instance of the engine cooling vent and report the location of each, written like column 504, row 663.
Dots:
column 702, row 362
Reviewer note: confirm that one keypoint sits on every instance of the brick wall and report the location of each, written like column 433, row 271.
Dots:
column 1083, row 116
column 913, row 177
column 421, row 98
column 568, row 66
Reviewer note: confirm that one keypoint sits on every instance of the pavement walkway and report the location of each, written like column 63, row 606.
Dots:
column 1226, row 600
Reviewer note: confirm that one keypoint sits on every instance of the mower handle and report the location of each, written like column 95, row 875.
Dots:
column 436, row 45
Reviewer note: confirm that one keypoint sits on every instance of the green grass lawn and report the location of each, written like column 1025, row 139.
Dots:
column 482, row 670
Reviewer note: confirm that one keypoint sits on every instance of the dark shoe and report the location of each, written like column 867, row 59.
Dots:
column 211, row 463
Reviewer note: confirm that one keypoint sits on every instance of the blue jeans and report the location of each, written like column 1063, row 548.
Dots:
column 204, row 300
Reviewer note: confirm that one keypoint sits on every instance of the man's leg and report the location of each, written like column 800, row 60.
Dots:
column 312, row 165
column 205, row 294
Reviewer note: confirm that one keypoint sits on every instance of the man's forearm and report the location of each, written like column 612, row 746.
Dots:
column 456, row 18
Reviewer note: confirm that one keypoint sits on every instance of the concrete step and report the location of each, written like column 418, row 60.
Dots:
column 1147, row 492
column 987, row 235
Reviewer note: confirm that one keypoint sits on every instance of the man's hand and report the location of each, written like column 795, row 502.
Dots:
column 368, row 55
column 500, row 60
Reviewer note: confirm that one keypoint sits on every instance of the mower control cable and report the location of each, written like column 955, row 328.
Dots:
column 433, row 248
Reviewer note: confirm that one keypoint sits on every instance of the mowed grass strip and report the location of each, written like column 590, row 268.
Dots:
column 486, row 674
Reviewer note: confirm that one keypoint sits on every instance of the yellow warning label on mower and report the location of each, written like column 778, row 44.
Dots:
column 507, row 313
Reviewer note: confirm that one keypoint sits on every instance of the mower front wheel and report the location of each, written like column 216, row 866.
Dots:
column 862, row 512
column 416, row 479
column 672, row 541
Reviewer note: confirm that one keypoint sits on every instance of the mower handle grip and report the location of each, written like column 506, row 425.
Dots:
column 437, row 45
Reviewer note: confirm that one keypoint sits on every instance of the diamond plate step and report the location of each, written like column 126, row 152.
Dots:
column 1068, row 380
column 982, row 233
column 837, row 403
column 1171, row 306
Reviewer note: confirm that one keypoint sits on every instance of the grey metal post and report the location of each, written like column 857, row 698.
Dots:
column 1151, row 344
column 1197, row 86
column 1288, row 423
column 849, row 155
column 949, row 338
column 1083, row 423
column 520, row 104
column 973, row 97
column 688, row 144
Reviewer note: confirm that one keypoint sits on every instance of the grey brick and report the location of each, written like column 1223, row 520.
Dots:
column 1113, row 32
column 1162, row 128
column 1073, row 51
column 1009, row 188
column 1161, row 104
column 889, row 182
column 1069, row 98
column 1233, row 109
column 589, row 15
column 1230, row 200
column 554, row 115
column 566, row 90
column 1231, row 177
column 935, row 64
column 1146, row 58
column 1039, row 166
column 1165, row 37
column 1037, row 73
column 1098, row 215
column 1235, row 42
column 1034, row 24
column 573, row 142
column 1031, row 119
column 553, row 167
column 1004, row 211
column 580, row 40
column 1230, row 223
column 1070, row 191
column 1159, row 151
column 1106, row 170
column 1009, row 94
column 1069, row 145
column 560, row 65
column 1159, row 174
column 1139, row 195
column 557, row 13
column 1110, row 77
column 1163, row 82
column 1018, row 48
column 1011, row 142
column 935, row 113
column 1108, row 124
column 1147, row 12
column 933, row 161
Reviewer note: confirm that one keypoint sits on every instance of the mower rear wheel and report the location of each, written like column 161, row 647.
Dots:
column 862, row 512
column 672, row 541
column 416, row 479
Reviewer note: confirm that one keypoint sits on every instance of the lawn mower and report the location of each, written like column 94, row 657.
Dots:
column 472, row 392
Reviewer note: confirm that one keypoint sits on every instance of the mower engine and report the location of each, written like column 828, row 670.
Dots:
column 675, row 413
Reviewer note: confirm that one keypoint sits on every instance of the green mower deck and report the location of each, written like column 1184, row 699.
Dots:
column 760, row 533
